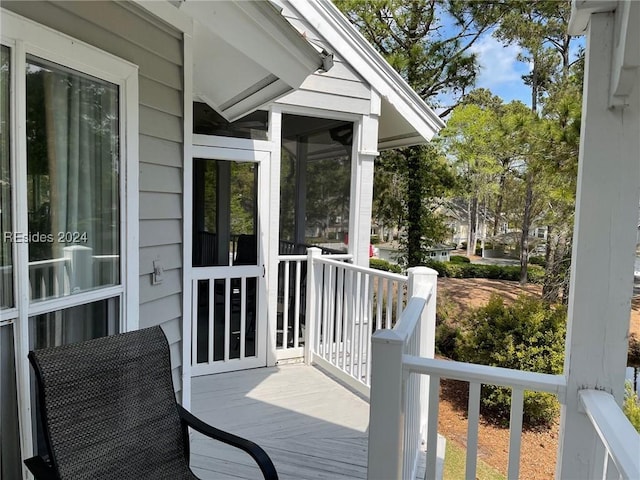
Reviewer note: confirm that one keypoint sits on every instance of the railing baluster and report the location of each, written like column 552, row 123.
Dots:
column 285, row 306
column 227, row 317
column 339, row 316
column 379, row 297
column 325, row 309
column 332, row 317
column 473, row 419
column 194, row 322
column 432, row 428
column 352, row 324
column 369, row 330
column 400, row 301
column 390, row 286
column 211, row 320
column 296, row 305
column 347, row 318
column 515, row 432
column 360, row 320
column 243, row 314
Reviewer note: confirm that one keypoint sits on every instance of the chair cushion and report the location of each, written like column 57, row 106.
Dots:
column 110, row 408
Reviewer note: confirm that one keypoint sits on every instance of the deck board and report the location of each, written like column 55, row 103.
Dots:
column 311, row 426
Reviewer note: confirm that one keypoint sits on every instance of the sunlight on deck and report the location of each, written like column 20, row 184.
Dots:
column 311, row 426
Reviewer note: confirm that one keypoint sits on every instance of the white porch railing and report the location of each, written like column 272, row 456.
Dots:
column 291, row 305
column 399, row 406
column 292, row 288
column 476, row 376
column 347, row 304
column 621, row 441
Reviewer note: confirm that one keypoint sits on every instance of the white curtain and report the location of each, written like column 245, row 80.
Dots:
column 73, row 163
column 82, row 146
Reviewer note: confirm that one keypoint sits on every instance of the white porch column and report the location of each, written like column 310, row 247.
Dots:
column 603, row 252
column 272, row 233
column 365, row 150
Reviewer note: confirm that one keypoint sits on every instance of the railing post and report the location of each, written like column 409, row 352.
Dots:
column 310, row 314
column 420, row 281
column 386, row 412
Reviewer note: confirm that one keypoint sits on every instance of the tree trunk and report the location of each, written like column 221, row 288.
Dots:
column 414, row 207
column 471, row 235
column 557, row 269
column 526, row 222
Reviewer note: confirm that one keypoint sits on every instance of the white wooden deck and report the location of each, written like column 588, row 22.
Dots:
column 311, row 426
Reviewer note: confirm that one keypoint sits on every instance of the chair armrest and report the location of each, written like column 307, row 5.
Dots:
column 40, row 468
column 256, row 452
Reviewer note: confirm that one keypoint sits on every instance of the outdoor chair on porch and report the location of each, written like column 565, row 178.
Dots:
column 109, row 412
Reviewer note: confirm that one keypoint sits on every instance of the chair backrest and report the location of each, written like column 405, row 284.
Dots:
column 205, row 249
column 247, row 253
column 109, row 409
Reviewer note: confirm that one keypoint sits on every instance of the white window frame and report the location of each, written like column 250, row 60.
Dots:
column 26, row 37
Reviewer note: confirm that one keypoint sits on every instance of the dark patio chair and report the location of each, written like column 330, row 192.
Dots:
column 109, row 412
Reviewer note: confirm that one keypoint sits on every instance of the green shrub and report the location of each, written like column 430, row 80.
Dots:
column 380, row 264
column 538, row 261
column 459, row 259
column 535, row 273
column 526, row 335
column 374, row 239
column 631, row 405
column 447, row 337
column 479, row 251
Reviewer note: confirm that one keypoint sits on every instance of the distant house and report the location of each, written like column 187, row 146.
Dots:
column 439, row 253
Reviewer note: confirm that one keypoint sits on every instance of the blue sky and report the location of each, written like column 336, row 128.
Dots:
column 501, row 72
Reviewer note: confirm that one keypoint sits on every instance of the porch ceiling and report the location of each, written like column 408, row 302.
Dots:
column 245, row 55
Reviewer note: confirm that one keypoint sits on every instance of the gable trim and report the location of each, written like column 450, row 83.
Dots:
column 356, row 51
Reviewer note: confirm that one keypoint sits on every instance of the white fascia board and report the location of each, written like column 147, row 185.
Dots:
column 259, row 31
column 353, row 48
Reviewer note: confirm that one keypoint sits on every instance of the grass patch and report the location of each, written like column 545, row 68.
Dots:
column 454, row 464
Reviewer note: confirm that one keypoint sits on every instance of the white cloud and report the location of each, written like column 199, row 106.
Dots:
column 500, row 71
column 498, row 64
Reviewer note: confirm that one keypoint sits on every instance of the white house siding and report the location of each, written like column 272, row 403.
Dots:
column 127, row 32
column 340, row 89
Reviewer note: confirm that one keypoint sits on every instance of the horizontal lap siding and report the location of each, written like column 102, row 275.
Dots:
column 129, row 33
column 340, row 89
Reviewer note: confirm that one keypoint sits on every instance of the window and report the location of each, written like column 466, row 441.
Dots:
column 73, row 181
column 225, row 213
column 68, row 165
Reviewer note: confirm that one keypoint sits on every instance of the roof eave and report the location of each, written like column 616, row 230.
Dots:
column 359, row 53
